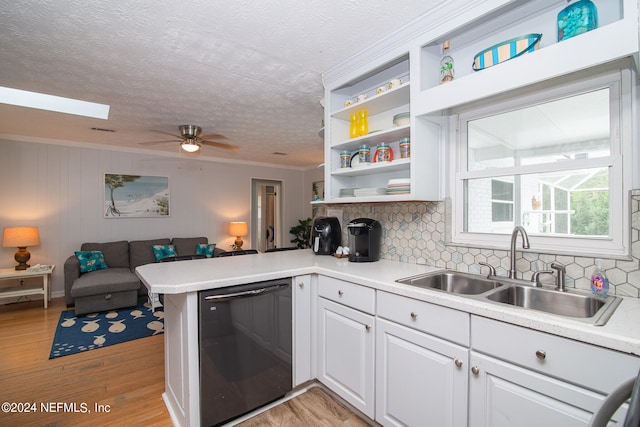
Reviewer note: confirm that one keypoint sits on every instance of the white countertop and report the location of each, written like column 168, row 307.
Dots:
column 621, row 332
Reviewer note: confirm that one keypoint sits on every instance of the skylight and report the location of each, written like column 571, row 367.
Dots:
column 41, row 101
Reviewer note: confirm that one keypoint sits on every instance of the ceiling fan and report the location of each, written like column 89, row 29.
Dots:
column 191, row 140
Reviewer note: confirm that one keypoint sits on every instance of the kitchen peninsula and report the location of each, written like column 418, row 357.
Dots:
column 316, row 276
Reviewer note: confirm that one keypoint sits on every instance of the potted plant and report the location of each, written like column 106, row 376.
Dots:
column 302, row 233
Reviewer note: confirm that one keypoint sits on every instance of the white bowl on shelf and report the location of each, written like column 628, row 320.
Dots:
column 401, row 119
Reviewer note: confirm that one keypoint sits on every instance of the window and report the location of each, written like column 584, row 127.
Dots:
column 550, row 161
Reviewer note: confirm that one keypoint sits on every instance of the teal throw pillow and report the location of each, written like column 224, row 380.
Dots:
column 164, row 251
column 91, row 261
column 205, row 249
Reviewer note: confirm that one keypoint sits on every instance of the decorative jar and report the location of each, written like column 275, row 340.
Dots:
column 383, row 153
column 364, row 154
column 577, row 18
column 405, row 148
column 345, row 159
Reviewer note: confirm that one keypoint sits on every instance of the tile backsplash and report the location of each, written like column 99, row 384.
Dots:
column 415, row 232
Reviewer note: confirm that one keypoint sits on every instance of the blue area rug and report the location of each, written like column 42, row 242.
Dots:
column 77, row 334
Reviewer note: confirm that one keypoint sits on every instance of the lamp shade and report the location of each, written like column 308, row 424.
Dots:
column 190, row 147
column 19, row 237
column 238, row 228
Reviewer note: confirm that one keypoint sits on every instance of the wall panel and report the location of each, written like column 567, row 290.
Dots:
column 60, row 189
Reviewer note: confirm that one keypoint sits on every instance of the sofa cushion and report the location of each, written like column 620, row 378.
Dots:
column 90, row 261
column 105, row 281
column 116, row 254
column 206, row 249
column 187, row 245
column 141, row 251
column 164, row 251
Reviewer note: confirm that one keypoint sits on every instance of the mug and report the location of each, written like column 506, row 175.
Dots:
column 405, row 148
column 361, row 97
column 364, row 154
column 393, row 83
column 381, row 89
column 345, row 159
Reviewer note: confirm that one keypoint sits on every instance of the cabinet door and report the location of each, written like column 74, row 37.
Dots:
column 302, row 329
column 505, row 395
column 346, row 347
column 420, row 379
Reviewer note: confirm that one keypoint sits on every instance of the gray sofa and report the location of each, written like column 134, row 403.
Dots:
column 118, row 286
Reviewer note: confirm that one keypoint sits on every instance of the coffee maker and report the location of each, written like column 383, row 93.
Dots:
column 365, row 235
column 326, row 235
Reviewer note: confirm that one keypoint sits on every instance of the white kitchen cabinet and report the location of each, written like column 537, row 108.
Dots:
column 381, row 108
column 419, row 376
column 616, row 37
column 528, row 378
column 504, row 395
column 346, row 339
column 413, row 54
column 347, row 293
column 302, row 332
column 420, row 379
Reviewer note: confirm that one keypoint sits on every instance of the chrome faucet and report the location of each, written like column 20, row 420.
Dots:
column 535, row 277
column 525, row 245
column 492, row 269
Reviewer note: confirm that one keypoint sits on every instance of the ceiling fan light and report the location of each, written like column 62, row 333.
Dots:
column 190, row 147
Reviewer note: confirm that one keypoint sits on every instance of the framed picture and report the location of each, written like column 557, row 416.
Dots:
column 135, row 196
column 317, row 191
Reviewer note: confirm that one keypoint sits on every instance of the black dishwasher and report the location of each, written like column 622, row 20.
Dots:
column 245, row 348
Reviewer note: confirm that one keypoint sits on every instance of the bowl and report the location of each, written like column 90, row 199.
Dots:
column 401, row 119
column 505, row 51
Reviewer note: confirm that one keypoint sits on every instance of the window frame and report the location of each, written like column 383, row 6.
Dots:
column 617, row 244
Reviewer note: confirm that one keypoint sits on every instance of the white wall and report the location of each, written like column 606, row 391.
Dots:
column 60, row 189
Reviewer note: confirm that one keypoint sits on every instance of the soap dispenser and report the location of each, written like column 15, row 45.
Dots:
column 599, row 281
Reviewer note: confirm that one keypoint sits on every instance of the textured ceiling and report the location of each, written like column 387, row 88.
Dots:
column 247, row 69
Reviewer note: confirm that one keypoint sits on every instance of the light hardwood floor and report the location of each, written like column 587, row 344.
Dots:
column 316, row 407
column 126, row 378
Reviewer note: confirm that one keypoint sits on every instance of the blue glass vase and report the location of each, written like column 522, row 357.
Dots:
column 577, row 18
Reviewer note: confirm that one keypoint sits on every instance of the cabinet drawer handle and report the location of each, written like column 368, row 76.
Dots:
column 541, row 354
column 367, row 327
column 340, row 293
column 414, row 315
column 475, row 370
column 301, row 285
column 458, row 363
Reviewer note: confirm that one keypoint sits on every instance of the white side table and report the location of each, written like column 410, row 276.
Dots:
column 18, row 291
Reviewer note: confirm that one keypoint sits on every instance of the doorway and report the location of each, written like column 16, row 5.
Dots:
column 266, row 212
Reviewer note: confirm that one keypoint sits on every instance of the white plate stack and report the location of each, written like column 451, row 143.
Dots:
column 346, row 192
column 360, row 192
column 399, row 186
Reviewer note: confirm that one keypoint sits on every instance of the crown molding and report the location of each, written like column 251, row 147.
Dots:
column 177, row 156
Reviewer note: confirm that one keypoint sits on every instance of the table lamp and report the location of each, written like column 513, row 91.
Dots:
column 238, row 229
column 21, row 237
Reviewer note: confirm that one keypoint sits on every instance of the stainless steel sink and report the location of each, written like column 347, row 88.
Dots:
column 453, row 282
column 572, row 304
column 568, row 304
